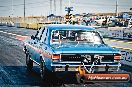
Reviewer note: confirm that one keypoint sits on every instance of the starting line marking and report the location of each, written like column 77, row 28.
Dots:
column 18, row 37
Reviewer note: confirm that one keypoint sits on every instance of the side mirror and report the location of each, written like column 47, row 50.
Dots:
column 37, row 31
column 32, row 37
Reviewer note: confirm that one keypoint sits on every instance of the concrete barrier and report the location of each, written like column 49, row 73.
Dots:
column 23, row 25
column 116, row 32
column 104, row 32
column 34, row 26
column 29, row 26
column 3, row 23
column 17, row 24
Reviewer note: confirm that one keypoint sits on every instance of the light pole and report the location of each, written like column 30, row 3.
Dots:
column 60, row 7
column 12, row 11
column 54, row 7
column 50, row 6
column 24, row 10
column 12, row 8
column 116, row 11
column 69, row 3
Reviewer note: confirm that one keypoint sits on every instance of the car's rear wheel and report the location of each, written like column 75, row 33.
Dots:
column 80, row 78
column 29, row 62
column 42, row 69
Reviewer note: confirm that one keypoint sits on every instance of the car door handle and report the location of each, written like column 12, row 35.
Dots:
column 35, row 43
column 45, row 48
column 30, row 43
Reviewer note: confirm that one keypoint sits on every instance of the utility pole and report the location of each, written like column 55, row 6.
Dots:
column 60, row 7
column 50, row 6
column 12, row 11
column 12, row 8
column 116, row 11
column 24, row 10
column 54, row 7
column 69, row 3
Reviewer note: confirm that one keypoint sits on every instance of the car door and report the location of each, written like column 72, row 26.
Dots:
column 41, row 44
column 37, row 45
column 31, row 43
column 45, row 47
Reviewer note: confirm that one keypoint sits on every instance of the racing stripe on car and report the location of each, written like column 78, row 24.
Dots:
column 47, row 55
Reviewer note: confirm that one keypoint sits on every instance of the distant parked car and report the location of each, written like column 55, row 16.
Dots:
column 114, row 23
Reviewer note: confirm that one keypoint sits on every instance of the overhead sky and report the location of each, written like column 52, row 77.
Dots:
column 42, row 7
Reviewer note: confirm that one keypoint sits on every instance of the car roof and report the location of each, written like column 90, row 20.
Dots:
column 68, row 27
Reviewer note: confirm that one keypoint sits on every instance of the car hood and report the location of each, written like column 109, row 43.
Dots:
column 83, row 48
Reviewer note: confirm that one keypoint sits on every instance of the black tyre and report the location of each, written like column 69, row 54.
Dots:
column 42, row 69
column 80, row 79
column 29, row 62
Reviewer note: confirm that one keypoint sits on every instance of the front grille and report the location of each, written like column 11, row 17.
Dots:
column 71, row 57
column 90, row 57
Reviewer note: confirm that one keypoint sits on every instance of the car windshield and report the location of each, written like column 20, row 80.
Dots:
column 79, row 36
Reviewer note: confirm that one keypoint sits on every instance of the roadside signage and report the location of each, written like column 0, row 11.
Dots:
column 126, row 58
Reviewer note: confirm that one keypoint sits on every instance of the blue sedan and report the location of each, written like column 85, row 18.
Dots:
column 64, row 48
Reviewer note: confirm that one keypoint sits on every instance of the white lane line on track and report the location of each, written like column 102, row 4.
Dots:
column 18, row 37
column 8, row 33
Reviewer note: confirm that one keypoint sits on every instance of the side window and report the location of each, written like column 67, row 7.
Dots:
column 39, row 35
column 43, row 37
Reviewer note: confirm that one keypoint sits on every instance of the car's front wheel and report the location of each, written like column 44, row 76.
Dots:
column 29, row 62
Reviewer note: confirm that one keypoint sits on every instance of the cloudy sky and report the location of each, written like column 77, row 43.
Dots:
column 42, row 7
